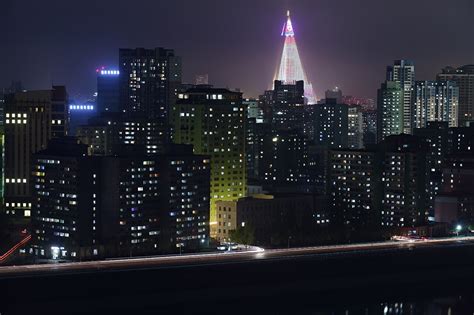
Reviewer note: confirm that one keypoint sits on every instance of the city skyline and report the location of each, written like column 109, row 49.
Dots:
column 196, row 157
column 340, row 44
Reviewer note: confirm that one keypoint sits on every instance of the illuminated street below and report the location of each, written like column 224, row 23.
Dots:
column 276, row 280
column 254, row 253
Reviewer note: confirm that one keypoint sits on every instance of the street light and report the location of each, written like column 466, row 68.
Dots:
column 458, row 229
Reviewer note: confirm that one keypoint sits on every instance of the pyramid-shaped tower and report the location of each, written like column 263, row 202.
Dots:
column 291, row 69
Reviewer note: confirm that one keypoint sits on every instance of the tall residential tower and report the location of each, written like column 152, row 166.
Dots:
column 149, row 80
column 212, row 120
column 436, row 101
column 108, row 95
column 389, row 110
column 403, row 72
column 32, row 118
column 464, row 78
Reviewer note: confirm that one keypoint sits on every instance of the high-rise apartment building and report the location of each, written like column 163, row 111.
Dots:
column 353, row 181
column 282, row 144
column 16, row 86
column 110, row 133
column 285, row 161
column 443, row 141
column 185, row 198
column 404, row 175
column 149, row 81
column 90, row 207
column 253, row 109
column 288, row 108
column 65, row 219
column 369, row 126
column 253, row 135
column 436, row 101
column 464, row 78
column 103, row 134
column 79, row 114
column 390, row 107
column 436, row 136
column 331, row 124
column 403, row 72
column 355, row 137
column 213, row 121
column 384, row 185
column 455, row 202
column 32, row 118
column 108, row 94
column 461, row 139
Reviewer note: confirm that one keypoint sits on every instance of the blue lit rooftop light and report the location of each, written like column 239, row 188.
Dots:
column 81, row 107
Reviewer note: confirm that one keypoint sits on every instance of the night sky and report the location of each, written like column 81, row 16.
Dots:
column 346, row 43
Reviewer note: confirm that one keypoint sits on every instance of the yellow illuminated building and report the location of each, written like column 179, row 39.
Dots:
column 212, row 120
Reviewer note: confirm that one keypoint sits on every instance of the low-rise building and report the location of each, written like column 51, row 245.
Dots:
column 272, row 219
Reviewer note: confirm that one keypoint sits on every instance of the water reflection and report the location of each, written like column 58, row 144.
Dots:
column 462, row 305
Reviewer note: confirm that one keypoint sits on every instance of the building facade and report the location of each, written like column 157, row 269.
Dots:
column 403, row 72
column 369, row 121
column 112, row 133
column 213, row 121
column 32, row 118
column 443, row 141
column 355, row 137
column 285, row 161
column 271, row 219
column 384, row 185
column 436, row 101
column 288, row 106
column 464, row 78
column 390, row 110
column 90, row 207
column 149, row 81
column 353, row 177
column 331, row 124
column 403, row 180
column 455, row 203
column 108, row 93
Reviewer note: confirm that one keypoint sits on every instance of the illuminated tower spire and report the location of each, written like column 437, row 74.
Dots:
column 291, row 69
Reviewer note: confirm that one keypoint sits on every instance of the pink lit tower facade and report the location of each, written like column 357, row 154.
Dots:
column 291, row 69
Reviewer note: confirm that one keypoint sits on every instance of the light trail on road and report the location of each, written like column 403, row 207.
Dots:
column 254, row 253
column 14, row 248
